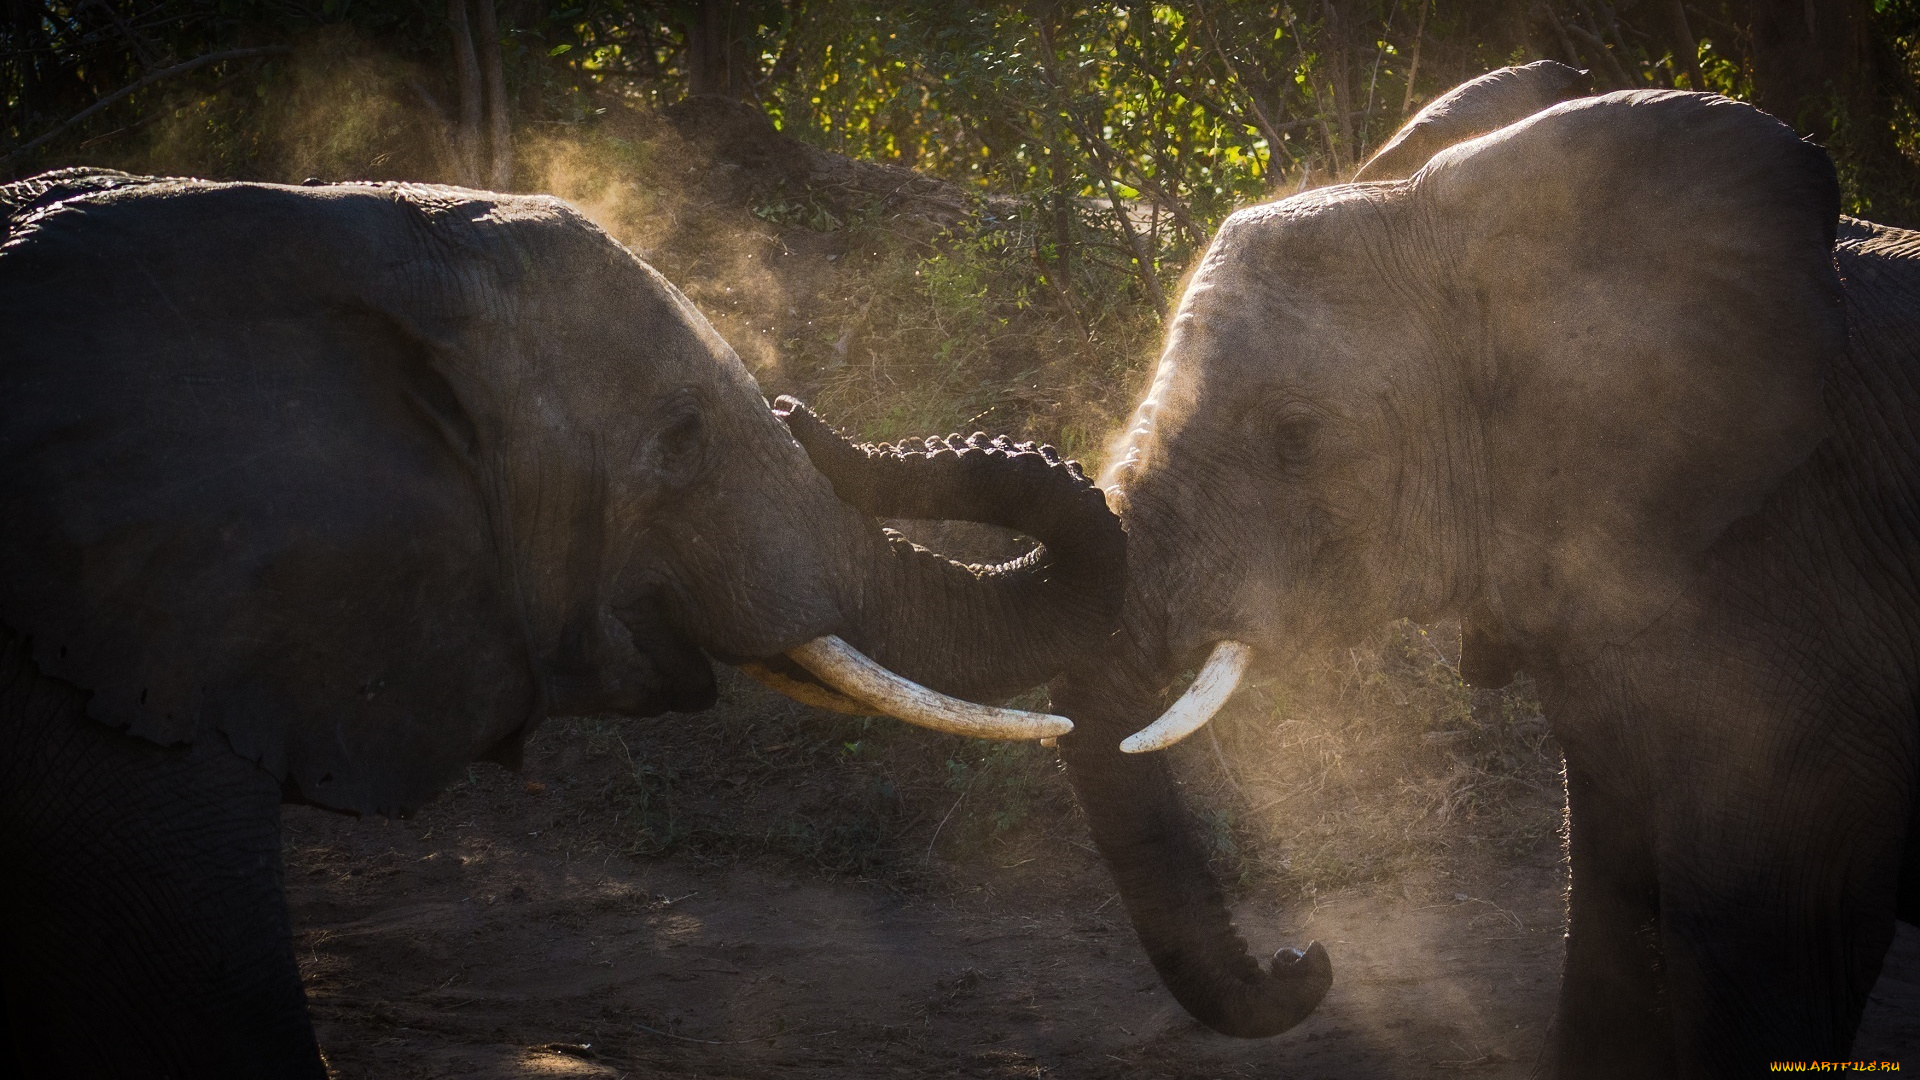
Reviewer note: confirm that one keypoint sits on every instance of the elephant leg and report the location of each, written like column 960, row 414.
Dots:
column 1612, row 1018
column 144, row 931
column 1790, row 985
column 1907, row 901
column 1772, row 947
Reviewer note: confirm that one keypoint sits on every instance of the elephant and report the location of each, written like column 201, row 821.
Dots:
column 1615, row 386
column 316, row 494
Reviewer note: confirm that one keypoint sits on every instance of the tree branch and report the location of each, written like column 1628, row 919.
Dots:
column 1265, row 125
column 1141, row 253
column 1598, row 44
column 165, row 73
column 1413, row 71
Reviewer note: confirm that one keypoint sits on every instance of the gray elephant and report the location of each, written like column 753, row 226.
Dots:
column 316, row 494
column 1614, row 386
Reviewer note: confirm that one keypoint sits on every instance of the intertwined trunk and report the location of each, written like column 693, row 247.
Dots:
column 985, row 632
column 980, row 633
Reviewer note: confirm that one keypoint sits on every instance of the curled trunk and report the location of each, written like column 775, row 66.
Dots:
column 976, row 632
column 1152, row 845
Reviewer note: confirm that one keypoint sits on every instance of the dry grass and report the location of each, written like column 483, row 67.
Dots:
column 765, row 779
column 1359, row 770
column 1364, row 767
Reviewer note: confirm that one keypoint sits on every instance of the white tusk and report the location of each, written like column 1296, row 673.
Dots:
column 807, row 693
column 1210, row 690
column 842, row 667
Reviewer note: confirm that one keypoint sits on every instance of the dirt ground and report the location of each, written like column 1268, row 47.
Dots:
column 503, row 933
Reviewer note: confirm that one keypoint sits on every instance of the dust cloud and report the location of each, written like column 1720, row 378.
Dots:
column 1330, row 794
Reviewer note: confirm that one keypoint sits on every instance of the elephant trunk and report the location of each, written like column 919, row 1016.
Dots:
column 1152, row 845
column 980, row 633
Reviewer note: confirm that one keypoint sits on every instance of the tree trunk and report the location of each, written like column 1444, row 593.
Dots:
column 1413, row 69
column 500, row 131
column 1810, row 58
column 1817, row 66
column 25, row 30
column 720, row 59
column 466, row 70
column 1686, row 49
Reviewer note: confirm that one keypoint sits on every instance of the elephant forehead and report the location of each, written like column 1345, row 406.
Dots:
column 1212, row 375
column 612, row 343
column 1273, row 339
column 1336, row 230
column 1281, row 275
column 1285, row 300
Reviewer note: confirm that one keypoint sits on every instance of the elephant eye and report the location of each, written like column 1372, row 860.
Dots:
column 1293, row 440
column 680, row 447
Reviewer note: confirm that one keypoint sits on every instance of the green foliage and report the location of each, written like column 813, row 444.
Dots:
column 1129, row 129
column 1150, row 121
column 977, row 330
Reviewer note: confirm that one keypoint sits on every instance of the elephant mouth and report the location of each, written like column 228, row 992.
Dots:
column 829, row 673
column 1226, row 665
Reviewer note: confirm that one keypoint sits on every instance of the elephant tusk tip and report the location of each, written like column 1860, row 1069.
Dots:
column 1210, row 690
column 844, row 668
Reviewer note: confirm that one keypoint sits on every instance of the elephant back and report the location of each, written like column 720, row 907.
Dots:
column 1877, row 406
column 22, row 198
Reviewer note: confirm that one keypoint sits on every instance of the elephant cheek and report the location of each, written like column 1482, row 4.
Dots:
column 656, row 670
column 792, row 579
column 631, row 663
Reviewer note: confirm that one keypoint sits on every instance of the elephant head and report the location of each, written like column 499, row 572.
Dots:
column 368, row 479
column 1532, row 382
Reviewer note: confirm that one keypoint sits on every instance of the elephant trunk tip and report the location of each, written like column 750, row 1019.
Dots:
column 1265, row 1004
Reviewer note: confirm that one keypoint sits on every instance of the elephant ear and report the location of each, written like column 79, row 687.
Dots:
column 1658, row 308
column 224, row 483
column 1472, row 109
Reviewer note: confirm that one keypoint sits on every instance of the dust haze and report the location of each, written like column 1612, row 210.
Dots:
column 1369, row 798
